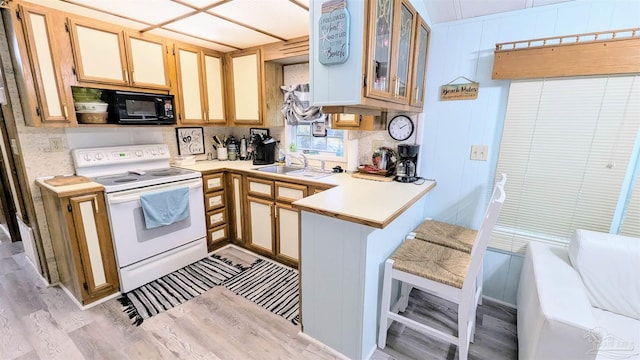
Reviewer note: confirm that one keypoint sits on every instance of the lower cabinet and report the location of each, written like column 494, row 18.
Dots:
column 237, row 206
column 81, row 239
column 255, row 213
column 261, row 227
column 216, row 212
column 274, row 225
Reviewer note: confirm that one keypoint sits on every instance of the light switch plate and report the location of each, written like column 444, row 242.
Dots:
column 479, row 152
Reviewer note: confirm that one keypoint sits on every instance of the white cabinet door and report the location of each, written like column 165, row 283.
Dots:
column 99, row 54
column 260, row 220
column 288, row 224
column 45, row 65
column 245, row 77
column 147, row 63
column 189, row 83
column 238, row 211
column 213, row 86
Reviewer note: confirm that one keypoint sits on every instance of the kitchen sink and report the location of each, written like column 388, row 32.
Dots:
column 295, row 171
column 277, row 169
column 309, row 173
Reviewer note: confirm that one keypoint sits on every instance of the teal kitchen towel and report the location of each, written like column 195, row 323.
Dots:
column 165, row 207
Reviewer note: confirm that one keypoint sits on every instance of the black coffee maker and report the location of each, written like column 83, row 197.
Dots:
column 264, row 149
column 406, row 166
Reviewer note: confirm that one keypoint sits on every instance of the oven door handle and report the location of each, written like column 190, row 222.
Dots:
column 134, row 195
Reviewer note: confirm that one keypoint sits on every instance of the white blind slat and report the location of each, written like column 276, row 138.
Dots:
column 566, row 147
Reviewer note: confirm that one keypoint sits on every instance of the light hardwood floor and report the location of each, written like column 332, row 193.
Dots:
column 39, row 322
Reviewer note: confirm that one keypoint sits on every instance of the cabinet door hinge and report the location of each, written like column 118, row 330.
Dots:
column 73, row 70
column 364, row 81
column 69, row 208
column 66, row 27
column 18, row 15
column 85, row 286
column 38, row 111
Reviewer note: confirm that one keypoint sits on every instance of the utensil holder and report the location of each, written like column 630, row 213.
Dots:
column 222, row 153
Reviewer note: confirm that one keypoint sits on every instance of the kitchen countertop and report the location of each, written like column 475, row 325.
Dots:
column 368, row 202
column 70, row 190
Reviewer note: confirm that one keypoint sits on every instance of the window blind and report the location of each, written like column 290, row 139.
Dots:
column 631, row 221
column 565, row 148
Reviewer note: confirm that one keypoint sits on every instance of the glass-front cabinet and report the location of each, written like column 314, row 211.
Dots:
column 381, row 43
column 420, row 64
column 391, row 50
column 385, row 70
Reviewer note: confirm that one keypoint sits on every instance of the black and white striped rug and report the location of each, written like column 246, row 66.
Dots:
column 271, row 286
column 178, row 287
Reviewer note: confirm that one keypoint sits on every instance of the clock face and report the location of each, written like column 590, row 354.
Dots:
column 400, row 127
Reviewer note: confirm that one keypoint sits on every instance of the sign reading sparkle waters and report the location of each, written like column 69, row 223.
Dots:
column 333, row 42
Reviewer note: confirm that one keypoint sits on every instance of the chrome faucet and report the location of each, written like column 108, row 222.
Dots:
column 305, row 161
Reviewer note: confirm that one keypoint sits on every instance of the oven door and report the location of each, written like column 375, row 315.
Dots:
column 133, row 242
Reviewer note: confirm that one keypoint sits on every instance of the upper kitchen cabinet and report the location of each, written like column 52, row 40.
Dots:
column 390, row 51
column 420, row 64
column 255, row 97
column 200, row 86
column 384, row 56
column 106, row 54
column 245, row 85
column 42, row 68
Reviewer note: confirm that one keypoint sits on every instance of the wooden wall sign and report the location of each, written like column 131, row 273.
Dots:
column 466, row 91
column 334, row 33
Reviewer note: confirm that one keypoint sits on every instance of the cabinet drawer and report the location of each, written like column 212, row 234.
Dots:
column 216, row 218
column 214, row 200
column 286, row 192
column 213, row 182
column 260, row 187
column 216, row 235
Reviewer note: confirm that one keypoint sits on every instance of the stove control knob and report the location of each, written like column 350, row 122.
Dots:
column 153, row 152
column 87, row 157
column 99, row 156
column 161, row 151
column 138, row 153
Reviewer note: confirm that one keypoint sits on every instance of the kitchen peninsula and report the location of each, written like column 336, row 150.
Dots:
column 347, row 232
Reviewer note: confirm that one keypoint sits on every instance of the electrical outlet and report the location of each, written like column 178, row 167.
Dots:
column 479, row 152
column 55, row 144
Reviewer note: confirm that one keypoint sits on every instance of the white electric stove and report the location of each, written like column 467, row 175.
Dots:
column 127, row 172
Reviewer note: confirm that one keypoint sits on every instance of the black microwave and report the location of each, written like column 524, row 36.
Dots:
column 133, row 108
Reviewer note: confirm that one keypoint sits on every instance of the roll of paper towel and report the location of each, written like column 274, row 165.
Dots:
column 352, row 155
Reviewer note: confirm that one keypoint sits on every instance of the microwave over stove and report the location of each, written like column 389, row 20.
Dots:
column 133, row 108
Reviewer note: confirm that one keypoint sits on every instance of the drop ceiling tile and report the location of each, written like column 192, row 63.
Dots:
column 473, row 8
column 209, row 27
column 277, row 17
column 147, row 11
column 441, row 11
column 201, row 3
column 190, row 40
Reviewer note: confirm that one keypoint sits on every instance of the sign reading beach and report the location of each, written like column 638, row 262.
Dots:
column 334, row 33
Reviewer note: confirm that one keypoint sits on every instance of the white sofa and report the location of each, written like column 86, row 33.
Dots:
column 580, row 302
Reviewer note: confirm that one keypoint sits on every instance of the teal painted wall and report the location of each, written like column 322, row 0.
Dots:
column 465, row 48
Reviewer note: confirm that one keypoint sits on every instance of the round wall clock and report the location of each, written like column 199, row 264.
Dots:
column 400, row 127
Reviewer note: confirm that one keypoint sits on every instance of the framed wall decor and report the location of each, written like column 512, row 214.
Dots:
column 190, row 140
column 262, row 131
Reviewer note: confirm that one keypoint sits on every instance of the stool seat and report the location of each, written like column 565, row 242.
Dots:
column 431, row 261
column 449, row 235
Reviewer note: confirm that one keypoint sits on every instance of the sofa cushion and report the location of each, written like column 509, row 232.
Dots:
column 620, row 336
column 609, row 266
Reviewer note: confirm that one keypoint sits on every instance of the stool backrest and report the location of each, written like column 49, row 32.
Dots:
column 484, row 233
